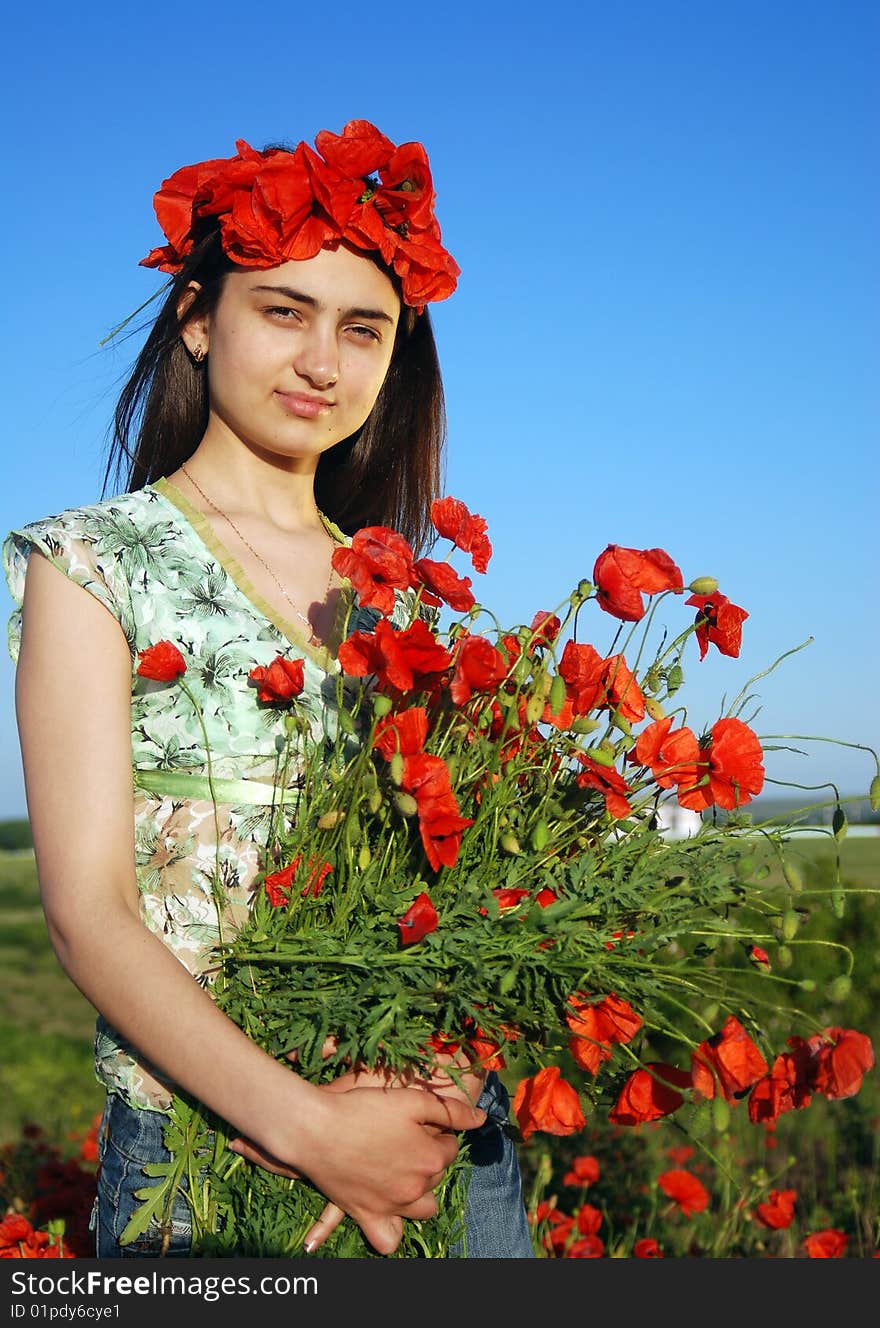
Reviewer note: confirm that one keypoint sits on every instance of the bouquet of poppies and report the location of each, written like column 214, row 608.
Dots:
column 476, row 871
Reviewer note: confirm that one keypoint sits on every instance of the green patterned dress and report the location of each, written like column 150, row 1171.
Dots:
column 154, row 561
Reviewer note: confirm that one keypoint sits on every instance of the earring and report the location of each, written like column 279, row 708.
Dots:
column 198, row 354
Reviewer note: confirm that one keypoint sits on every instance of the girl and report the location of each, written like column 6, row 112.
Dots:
column 287, row 394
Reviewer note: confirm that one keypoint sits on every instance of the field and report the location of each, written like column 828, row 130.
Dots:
column 826, row 1154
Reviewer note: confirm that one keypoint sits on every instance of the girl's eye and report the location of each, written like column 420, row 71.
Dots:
column 283, row 312
column 365, row 333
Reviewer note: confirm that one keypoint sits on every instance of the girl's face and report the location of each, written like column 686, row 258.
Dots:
column 298, row 353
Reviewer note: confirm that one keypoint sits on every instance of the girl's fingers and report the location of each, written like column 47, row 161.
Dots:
column 320, row 1230
column 253, row 1153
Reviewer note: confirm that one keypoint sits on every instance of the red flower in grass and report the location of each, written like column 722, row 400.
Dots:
column 673, row 758
column 729, row 1058
column 545, row 626
column 405, row 733
column 19, row 1240
column 785, row 1088
column 584, row 1171
column 162, row 662
column 547, row 1103
column 647, row 1096
column 842, row 1058
column 443, row 585
column 596, row 1026
column 777, row 1210
column 731, row 759
column 608, row 781
column 592, row 682
column 378, row 562
column 588, row 1219
column 465, row 529
column 828, row 1244
column 589, row 1247
column 759, row 957
column 419, row 919
column 401, row 659
column 479, row 667
column 278, row 885
column 622, row 575
column 647, row 1248
column 279, row 681
column 685, row 1190
column 426, row 778
column 719, row 622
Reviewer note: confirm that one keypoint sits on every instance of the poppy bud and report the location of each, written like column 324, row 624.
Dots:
column 619, row 722
column 700, row 1119
column 330, row 819
column 784, row 957
column 365, row 857
column 703, row 585
column 280, row 743
column 807, row 984
column 534, row 708
column 838, row 823
column 507, row 981
column 540, row 836
column 557, row 694
column 374, row 801
column 405, row 803
column 601, row 756
column 345, row 721
column 654, row 708
column 840, row 988
column 838, row 903
column 581, row 724
column 652, row 680
column 793, row 876
column 720, row 1112
column 790, row 922
column 381, row 706
column 674, row 679
column 582, row 591
column 510, row 844
column 874, row 794
column 396, row 768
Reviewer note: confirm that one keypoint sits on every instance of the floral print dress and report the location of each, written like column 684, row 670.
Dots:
column 153, row 560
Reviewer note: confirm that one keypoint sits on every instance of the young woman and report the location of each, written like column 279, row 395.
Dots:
column 287, row 394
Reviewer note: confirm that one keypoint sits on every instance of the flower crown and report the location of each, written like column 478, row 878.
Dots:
column 278, row 205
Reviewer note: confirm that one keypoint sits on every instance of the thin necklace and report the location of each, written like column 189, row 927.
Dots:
column 302, row 617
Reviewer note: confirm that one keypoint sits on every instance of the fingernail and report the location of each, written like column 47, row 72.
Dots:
column 308, row 1246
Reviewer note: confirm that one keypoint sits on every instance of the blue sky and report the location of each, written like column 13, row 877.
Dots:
column 665, row 333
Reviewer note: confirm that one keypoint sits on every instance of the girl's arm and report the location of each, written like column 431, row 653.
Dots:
column 376, row 1154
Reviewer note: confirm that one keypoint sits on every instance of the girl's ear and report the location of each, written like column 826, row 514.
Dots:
column 194, row 332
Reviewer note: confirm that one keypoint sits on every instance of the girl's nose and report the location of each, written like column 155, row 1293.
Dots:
column 318, row 358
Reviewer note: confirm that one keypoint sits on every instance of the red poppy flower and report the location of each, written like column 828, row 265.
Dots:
column 279, row 884
column 279, row 681
column 731, row 760
column 597, row 1025
column 162, row 662
column 647, row 1096
column 680, row 1154
column 548, row 1103
column 719, row 622
column 777, row 1210
column 732, row 1055
column 589, row 1247
column 479, row 667
column 444, row 585
column 828, row 1244
column 401, row 659
column 621, row 575
column 759, row 957
column 647, row 1248
column 465, row 529
column 673, row 758
column 405, row 732
column 378, row 562
column 842, row 1059
column 545, row 627
column 685, row 1190
column 419, row 919
column 487, row 1052
column 621, row 692
column 608, row 781
column 441, row 830
column 581, row 669
column 588, row 1219
column 785, row 1088
column 584, row 1171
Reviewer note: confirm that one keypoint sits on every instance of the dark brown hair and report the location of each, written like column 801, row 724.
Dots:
column 387, row 473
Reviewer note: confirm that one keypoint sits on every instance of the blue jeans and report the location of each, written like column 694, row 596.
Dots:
column 495, row 1218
